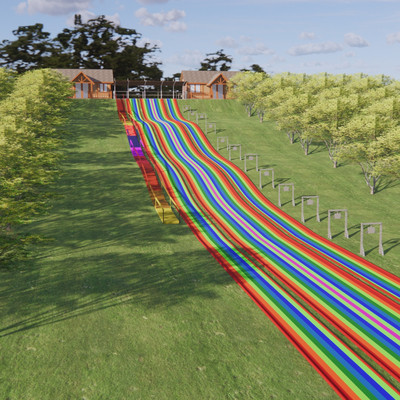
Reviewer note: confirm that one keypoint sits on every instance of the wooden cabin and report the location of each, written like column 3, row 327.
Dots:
column 206, row 84
column 90, row 83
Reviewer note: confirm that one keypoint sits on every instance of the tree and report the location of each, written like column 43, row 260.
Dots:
column 254, row 68
column 215, row 60
column 284, row 87
column 242, row 87
column 30, row 139
column 32, row 49
column 97, row 43
column 7, row 82
column 262, row 91
column 291, row 116
column 329, row 112
column 368, row 140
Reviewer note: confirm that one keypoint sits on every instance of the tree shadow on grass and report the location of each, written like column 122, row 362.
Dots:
column 295, row 139
column 319, row 148
column 110, row 246
column 112, row 279
column 386, row 183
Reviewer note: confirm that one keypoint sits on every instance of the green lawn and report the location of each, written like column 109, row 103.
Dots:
column 123, row 307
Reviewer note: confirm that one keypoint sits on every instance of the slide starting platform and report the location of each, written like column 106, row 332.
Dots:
column 160, row 203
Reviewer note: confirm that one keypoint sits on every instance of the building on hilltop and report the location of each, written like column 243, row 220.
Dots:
column 206, row 84
column 90, row 83
column 100, row 84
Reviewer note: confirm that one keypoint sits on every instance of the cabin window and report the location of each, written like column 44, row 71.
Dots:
column 218, row 91
column 85, row 90
column 103, row 87
column 78, row 89
column 195, row 88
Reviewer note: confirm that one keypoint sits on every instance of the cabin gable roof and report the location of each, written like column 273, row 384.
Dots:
column 95, row 75
column 204, row 77
column 81, row 77
column 218, row 79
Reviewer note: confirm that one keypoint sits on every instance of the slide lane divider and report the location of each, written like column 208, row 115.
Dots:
column 175, row 176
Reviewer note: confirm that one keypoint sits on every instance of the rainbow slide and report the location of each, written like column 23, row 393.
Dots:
column 160, row 203
column 271, row 255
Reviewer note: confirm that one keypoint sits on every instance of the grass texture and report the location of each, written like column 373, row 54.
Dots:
column 123, row 307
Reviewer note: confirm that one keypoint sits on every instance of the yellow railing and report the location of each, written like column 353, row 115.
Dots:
column 162, row 184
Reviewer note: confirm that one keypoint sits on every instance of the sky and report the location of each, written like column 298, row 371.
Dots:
column 298, row 36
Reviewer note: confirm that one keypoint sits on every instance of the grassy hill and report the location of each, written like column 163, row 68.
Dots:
column 123, row 307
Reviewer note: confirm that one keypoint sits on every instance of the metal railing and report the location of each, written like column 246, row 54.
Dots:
column 198, row 95
column 148, row 94
column 102, row 95
column 161, row 183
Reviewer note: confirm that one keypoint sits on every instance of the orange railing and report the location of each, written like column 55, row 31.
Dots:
column 102, row 95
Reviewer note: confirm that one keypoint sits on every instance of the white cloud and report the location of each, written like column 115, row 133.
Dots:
column 276, row 59
column 142, row 41
column 176, row 26
column 247, row 59
column 21, row 7
column 393, row 37
column 342, row 65
column 307, row 35
column 312, row 64
column 354, row 40
column 169, row 20
column 350, row 54
column 314, row 48
column 189, row 58
column 53, row 7
column 361, row 64
column 260, row 48
column 245, row 39
column 227, row 42
column 86, row 15
column 152, row 1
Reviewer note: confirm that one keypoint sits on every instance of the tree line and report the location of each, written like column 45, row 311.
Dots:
column 357, row 116
column 95, row 44
column 33, row 108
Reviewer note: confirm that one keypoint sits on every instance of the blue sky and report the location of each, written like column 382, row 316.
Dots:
column 280, row 35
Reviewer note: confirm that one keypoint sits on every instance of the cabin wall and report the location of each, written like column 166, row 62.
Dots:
column 94, row 91
column 198, row 90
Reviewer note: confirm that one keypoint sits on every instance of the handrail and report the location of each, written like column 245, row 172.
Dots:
column 159, row 178
column 152, row 191
column 161, row 181
column 123, row 117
